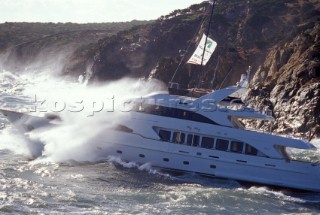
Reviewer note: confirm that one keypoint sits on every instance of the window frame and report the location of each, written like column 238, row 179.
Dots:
column 181, row 135
column 220, row 149
column 234, row 142
column 161, row 138
column 213, row 144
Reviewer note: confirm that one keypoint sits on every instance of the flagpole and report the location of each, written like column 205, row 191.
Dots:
column 205, row 43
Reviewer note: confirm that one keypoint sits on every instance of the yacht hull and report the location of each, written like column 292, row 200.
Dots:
column 140, row 143
column 25, row 122
column 279, row 173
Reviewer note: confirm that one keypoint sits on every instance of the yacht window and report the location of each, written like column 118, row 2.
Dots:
column 196, row 140
column 207, row 142
column 174, row 113
column 193, row 140
column 186, row 162
column 236, row 146
column 261, row 154
column 189, row 139
column 250, row 150
column 283, row 152
column 178, row 137
column 222, row 144
column 164, row 135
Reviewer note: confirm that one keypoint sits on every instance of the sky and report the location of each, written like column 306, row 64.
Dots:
column 87, row 11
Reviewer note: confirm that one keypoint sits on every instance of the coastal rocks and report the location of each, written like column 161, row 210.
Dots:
column 289, row 79
column 135, row 53
column 63, row 48
column 278, row 38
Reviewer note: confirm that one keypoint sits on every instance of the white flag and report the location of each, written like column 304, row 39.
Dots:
column 196, row 58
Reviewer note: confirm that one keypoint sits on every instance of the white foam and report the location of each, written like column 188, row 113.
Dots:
column 316, row 142
column 18, row 144
column 142, row 167
column 77, row 139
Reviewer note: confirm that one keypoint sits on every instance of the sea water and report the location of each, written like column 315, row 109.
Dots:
column 65, row 176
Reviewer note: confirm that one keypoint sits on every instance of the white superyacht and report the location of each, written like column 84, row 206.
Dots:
column 202, row 135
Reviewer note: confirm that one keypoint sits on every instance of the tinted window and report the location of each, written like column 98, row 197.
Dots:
column 207, row 142
column 251, row 150
column 178, row 137
column 196, row 140
column 193, row 140
column 236, row 146
column 189, row 139
column 222, row 144
column 174, row 113
column 164, row 135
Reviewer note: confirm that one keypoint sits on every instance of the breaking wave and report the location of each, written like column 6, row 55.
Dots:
column 85, row 110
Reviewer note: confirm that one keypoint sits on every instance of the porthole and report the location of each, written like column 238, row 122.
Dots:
column 141, row 155
column 119, row 152
column 213, row 166
column 186, row 162
column 166, row 159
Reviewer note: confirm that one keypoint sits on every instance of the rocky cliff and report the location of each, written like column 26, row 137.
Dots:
column 66, row 48
column 278, row 38
column 288, row 83
column 244, row 30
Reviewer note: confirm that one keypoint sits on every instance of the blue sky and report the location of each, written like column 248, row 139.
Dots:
column 83, row 11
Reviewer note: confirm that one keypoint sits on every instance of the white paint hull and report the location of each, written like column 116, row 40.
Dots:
column 142, row 145
column 296, row 175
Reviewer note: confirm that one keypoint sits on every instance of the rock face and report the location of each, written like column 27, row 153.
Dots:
column 278, row 38
column 138, row 51
column 288, row 82
column 66, row 48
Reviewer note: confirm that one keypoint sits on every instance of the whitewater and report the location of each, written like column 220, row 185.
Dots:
column 59, row 170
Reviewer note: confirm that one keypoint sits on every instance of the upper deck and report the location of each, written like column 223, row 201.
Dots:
column 224, row 106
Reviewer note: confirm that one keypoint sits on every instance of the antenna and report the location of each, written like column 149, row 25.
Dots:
column 185, row 53
column 205, row 43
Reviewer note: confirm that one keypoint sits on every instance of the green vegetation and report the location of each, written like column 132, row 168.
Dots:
column 189, row 17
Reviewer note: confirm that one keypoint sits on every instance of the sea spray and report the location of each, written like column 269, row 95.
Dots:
column 86, row 112
column 19, row 144
column 316, row 142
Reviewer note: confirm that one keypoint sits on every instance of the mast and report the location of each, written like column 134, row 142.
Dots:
column 196, row 58
column 205, row 43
